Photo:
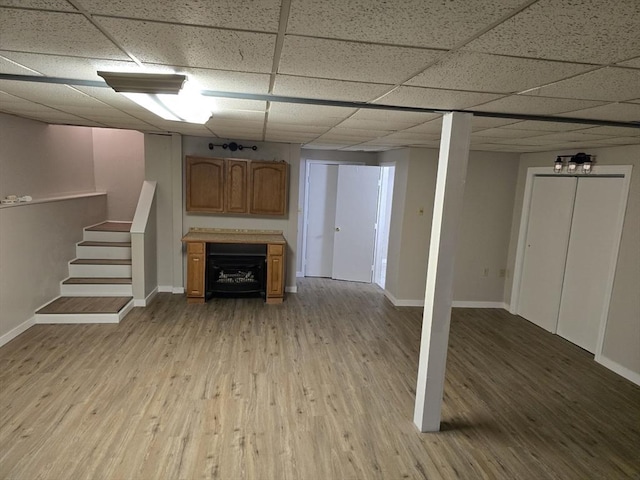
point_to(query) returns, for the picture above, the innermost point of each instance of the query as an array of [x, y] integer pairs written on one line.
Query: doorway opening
[[346, 221]]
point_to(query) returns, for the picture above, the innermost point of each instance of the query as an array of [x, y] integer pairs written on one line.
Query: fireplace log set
[[236, 270]]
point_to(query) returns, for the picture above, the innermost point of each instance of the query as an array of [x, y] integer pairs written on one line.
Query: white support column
[[452, 171]]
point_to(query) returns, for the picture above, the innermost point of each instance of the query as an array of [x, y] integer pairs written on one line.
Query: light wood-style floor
[[320, 387]]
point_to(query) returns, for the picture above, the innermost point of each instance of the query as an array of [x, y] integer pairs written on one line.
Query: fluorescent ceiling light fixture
[[162, 94]]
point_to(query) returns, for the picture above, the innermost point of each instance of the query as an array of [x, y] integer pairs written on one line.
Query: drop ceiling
[[576, 60]]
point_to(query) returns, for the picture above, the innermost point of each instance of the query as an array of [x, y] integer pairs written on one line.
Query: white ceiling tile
[[506, 133], [54, 32], [590, 31], [480, 123], [238, 117], [324, 146], [307, 87], [225, 81], [59, 5], [342, 130], [216, 122], [404, 22], [395, 119], [335, 137], [240, 14], [545, 126], [366, 148], [67, 66], [47, 94], [230, 104], [293, 137], [619, 112], [534, 105], [7, 66], [333, 59], [278, 127], [633, 63], [619, 141], [492, 73], [59, 117], [193, 46], [435, 98], [308, 114], [432, 127], [613, 131], [610, 84]]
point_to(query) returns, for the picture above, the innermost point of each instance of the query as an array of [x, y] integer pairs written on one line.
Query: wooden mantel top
[[223, 235]]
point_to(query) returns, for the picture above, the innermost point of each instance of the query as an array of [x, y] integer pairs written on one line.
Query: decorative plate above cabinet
[[236, 186]]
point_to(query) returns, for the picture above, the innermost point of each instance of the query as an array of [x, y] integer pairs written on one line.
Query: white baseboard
[[403, 302], [619, 369], [472, 304], [170, 289], [292, 289], [14, 332], [299, 274], [146, 301]]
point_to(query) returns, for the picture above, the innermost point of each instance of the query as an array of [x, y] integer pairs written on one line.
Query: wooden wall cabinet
[[205, 184], [195, 272], [236, 186], [268, 188]]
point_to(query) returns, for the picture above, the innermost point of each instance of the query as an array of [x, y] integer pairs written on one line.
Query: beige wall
[[43, 160], [118, 157], [622, 336], [38, 239], [484, 226]]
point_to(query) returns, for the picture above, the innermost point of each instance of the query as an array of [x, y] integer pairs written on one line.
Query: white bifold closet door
[[590, 260], [546, 250]]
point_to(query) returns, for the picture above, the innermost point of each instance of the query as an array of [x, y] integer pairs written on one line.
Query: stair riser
[[96, 236], [103, 252], [96, 290], [91, 271]]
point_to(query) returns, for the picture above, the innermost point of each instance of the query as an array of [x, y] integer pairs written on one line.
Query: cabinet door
[[268, 187], [275, 271], [205, 184], [195, 269], [237, 186]]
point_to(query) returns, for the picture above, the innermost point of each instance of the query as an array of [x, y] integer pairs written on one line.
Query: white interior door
[[591, 256], [546, 250], [322, 185], [355, 222]]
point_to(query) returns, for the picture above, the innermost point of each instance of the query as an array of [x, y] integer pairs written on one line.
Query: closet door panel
[[546, 249], [590, 258]]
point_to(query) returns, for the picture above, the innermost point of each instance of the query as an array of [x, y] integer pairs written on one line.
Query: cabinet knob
[[337, 229]]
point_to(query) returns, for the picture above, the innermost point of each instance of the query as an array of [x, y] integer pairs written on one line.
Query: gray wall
[[622, 336]]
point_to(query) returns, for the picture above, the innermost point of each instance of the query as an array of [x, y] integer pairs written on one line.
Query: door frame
[[623, 171], [305, 218]]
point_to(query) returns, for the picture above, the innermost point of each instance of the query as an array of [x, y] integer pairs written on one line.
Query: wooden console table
[[197, 240]]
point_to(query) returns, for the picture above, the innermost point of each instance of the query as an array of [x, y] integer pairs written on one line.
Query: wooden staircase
[[99, 288]]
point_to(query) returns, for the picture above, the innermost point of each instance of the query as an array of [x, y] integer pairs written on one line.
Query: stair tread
[[84, 305], [93, 243], [97, 281], [110, 227], [101, 261]]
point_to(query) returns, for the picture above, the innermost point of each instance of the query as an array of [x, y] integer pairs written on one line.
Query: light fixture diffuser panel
[[158, 83]]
